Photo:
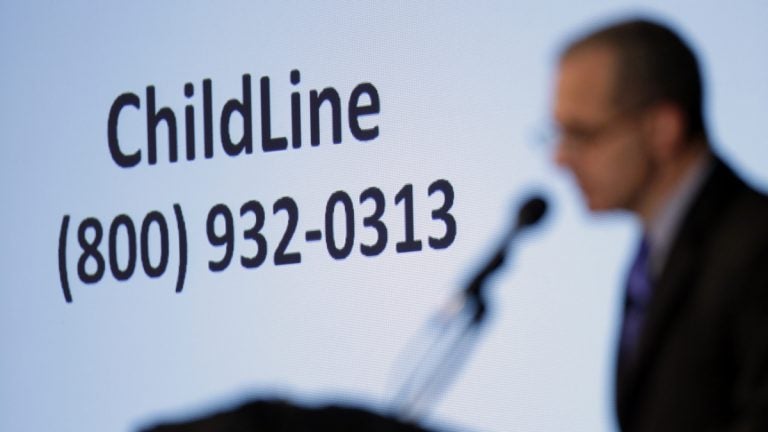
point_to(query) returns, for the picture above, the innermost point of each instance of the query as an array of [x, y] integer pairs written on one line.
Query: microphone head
[[531, 212]]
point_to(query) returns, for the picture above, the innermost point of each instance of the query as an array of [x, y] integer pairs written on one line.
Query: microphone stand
[[454, 329]]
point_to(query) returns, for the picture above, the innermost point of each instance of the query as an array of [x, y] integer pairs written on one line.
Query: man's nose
[[562, 155]]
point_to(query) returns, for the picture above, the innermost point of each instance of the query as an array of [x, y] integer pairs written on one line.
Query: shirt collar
[[663, 227]]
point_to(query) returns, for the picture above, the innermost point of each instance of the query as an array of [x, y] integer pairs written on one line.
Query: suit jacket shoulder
[[702, 359]]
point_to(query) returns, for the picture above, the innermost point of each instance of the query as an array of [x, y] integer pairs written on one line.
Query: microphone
[[529, 214], [454, 329]]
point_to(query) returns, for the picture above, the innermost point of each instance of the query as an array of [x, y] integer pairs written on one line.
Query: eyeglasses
[[583, 136]]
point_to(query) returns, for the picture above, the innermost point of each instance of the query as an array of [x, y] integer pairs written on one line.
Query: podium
[[268, 416]]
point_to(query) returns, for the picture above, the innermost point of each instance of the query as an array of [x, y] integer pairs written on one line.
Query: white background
[[464, 90]]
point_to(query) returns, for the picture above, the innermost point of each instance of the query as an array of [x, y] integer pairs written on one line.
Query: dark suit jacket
[[702, 356]]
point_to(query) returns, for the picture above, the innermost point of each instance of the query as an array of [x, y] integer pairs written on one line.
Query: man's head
[[629, 107]]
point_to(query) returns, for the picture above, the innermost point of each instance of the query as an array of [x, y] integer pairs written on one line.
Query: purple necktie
[[637, 297]]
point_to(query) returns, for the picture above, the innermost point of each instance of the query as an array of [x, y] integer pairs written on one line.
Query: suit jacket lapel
[[669, 294], [674, 283]]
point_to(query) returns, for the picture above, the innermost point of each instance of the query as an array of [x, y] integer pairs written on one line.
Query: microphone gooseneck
[[529, 214], [453, 331]]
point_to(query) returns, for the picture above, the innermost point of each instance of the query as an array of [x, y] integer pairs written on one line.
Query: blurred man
[[693, 351]]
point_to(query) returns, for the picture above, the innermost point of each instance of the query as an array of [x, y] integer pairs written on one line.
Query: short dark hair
[[654, 65]]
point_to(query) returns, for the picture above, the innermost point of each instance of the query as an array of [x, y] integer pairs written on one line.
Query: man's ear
[[666, 130]]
